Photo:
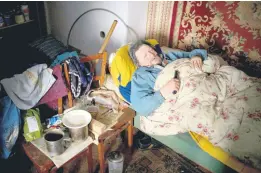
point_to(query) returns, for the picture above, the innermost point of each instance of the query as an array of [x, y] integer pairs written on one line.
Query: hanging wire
[[100, 9]]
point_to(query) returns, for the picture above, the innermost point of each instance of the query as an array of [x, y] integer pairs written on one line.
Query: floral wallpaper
[[231, 29]]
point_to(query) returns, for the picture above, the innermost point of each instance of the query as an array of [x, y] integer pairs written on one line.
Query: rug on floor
[[163, 160]]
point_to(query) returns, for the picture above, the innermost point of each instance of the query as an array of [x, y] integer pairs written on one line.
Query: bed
[[190, 145]]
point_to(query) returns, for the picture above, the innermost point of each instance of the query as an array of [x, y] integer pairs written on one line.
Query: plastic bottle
[[25, 11], [8, 18], [115, 162], [19, 17]]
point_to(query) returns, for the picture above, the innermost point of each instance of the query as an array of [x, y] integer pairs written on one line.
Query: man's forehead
[[144, 48]]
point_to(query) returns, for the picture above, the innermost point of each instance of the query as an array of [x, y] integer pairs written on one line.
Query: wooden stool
[[45, 165]]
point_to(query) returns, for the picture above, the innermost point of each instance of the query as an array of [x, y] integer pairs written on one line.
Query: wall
[[86, 33]]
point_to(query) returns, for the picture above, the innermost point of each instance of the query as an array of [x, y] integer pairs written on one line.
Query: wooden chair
[[99, 78], [103, 58]]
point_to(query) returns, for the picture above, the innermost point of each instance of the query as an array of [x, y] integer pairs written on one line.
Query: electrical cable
[[99, 9]]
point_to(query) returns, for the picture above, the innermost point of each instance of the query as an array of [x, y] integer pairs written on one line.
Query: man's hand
[[167, 89], [196, 62]]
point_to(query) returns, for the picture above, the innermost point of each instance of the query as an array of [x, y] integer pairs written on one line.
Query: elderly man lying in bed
[[221, 103], [143, 98]]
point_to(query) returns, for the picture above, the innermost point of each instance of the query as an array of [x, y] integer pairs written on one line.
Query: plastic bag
[[54, 121], [10, 123], [32, 125]]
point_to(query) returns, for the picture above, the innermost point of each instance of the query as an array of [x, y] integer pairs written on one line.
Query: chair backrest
[[96, 58], [100, 78]]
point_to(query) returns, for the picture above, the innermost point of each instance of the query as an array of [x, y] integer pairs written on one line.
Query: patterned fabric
[[223, 106], [49, 46], [80, 77], [232, 29]]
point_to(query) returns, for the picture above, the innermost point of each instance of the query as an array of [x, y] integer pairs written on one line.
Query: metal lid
[[115, 156]]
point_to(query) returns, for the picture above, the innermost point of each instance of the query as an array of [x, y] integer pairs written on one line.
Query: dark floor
[[18, 162]]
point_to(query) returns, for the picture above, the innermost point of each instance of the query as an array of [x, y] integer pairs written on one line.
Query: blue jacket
[[144, 99]]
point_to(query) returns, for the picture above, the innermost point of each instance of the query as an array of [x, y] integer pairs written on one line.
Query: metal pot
[[79, 134], [77, 121]]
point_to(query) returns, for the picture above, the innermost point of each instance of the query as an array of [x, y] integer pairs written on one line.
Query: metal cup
[[55, 142]]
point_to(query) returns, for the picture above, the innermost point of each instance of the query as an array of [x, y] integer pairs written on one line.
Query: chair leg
[[130, 134], [101, 157], [89, 157]]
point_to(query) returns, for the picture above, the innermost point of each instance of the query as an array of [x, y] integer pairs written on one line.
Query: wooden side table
[[44, 165], [125, 121]]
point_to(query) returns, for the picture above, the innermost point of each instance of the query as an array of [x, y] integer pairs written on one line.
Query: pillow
[[122, 68], [109, 84]]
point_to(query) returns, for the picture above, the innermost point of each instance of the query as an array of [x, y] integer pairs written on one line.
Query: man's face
[[147, 56]]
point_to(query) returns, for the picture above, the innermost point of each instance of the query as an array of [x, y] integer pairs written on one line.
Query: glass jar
[[8, 18], [19, 17]]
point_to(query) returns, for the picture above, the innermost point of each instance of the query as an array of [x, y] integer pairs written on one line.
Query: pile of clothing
[[38, 85]]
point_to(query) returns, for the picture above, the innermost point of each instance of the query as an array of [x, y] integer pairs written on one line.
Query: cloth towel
[[26, 89], [80, 77], [58, 90], [74, 149]]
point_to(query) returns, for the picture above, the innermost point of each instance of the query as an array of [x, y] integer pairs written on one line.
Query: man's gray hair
[[133, 49]]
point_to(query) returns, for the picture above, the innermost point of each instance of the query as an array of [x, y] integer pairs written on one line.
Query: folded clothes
[[61, 58], [80, 77], [57, 90], [28, 88]]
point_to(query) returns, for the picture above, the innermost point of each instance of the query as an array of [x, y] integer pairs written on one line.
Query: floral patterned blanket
[[221, 103]]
